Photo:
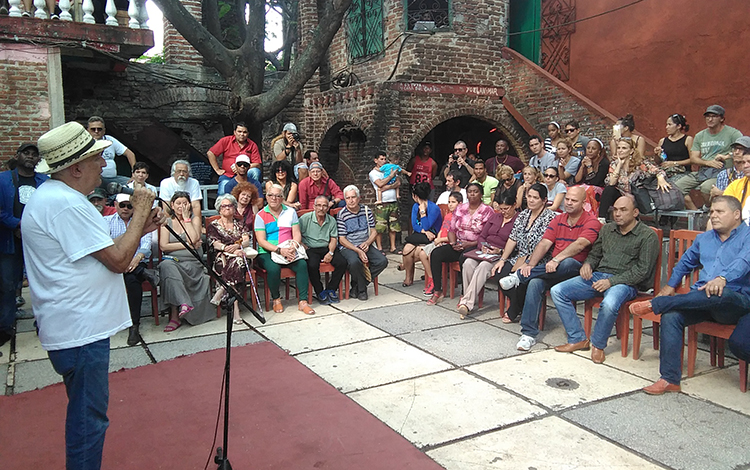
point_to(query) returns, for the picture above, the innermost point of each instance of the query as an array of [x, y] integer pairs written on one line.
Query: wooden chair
[[147, 286], [679, 242], [622, 324], [718, 334], [443, 209], [347, 281], [502, 301]]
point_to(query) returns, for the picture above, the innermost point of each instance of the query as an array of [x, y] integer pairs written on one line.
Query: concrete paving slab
[[290, 313], [371, 363], [166, 350], [154, 334], [387, 297], [128, 358], [558, 380], [415, 290], [721, 386], [547, 444], [28, 347], [467, 406], [674, 429], [467, 343], [415, 316], [313, 333], [5, 350], [3, 376], [25, 325]]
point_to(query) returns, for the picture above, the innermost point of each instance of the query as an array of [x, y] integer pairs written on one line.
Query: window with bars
[[365, 28], [427, 14]]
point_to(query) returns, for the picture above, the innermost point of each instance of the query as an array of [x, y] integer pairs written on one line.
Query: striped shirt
[[355, 227], [562, 234], [117, 227], [278, 230]]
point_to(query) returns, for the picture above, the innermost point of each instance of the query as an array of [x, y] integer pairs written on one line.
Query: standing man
[[570, 235], [230, 147], [452, 183], [721, 294], [542, 159], [356, 226], [573, 133], [16, 187], [459, 162], [503, 158], [109, 174], [488, 183], [711, 151], [622, 261], [75, 274], [181, 180], [320, 237], [422, 167], [386, 214]]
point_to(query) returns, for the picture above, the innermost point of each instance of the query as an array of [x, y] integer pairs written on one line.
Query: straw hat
[[68, 144]]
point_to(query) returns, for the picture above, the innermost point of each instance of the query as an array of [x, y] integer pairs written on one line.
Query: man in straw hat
[[69, 250]]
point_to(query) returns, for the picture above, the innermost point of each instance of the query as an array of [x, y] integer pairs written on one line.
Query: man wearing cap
[[77, 291], [711, 151], [740, 188], [318, 185], [96, 128], [98, 197], [230, 147], [16, 187], [287, 146], [137, 271], [242, 166], [728, 175]]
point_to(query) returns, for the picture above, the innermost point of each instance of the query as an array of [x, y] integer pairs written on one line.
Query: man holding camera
[[459, 162]]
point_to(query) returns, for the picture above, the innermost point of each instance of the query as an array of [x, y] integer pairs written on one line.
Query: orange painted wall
[[659, 57]]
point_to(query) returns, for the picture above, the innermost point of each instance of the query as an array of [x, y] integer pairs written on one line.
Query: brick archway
[[342, 149]]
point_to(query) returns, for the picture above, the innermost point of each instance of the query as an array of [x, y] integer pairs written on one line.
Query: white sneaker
[[525, 343], [509, 282]]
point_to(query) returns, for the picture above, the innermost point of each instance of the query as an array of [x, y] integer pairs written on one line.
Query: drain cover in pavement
[[562, 384]]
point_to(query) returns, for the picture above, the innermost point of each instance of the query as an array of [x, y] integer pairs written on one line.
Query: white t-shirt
[[109, 154], [76, 299], [169, 186], [388, 195], [746, 211], [443, 198]]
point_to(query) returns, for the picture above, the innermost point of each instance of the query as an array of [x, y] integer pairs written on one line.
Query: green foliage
[[150, 59]]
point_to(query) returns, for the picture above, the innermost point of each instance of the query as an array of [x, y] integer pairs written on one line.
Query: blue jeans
[[679, 311], [572, 290], [539, 280], [84, 370], [739, 342], [11, 275], [253, 176]]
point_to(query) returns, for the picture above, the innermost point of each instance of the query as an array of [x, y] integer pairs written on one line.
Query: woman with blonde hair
[[508, 184], [529, 176]]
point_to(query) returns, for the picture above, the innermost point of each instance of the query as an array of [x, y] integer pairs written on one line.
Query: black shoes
[[134, 336]]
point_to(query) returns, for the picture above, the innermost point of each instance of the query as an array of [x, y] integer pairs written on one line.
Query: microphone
[[117, 188]]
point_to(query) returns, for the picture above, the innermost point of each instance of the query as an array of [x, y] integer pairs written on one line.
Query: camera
[[296, 136]]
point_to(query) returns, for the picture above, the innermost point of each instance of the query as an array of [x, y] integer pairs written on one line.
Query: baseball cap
[[97, 193], [289, 127], [122, 198], [27, 145], [242, 158], [316, 165], [714, 109], [743, 141]]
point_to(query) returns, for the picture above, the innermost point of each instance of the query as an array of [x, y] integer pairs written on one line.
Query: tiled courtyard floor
[[461, 392]]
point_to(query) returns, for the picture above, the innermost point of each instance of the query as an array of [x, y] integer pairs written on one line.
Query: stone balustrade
[[84, 12]]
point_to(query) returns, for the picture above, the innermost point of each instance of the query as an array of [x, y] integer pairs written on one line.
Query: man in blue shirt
[[721, 294]]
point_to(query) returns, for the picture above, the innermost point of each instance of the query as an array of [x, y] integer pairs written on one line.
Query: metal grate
[[365, 28], [435, 11], [556, 41]]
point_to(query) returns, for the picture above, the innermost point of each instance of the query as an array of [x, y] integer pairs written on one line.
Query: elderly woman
[[227, 236], [491, 241], [425, 221], [508, 185], [184, 285], [246, 195], [528, 230], [467, 224], [282, 174], [278, 225]]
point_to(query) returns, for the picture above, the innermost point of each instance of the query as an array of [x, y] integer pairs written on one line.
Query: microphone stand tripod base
[[221, 452]]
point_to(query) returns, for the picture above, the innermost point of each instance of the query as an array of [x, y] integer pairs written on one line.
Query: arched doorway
[[343, 144]]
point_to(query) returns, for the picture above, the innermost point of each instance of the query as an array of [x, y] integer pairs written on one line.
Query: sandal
[[305, 308], [216, 299], [184, 310], [407, 284], [172, 325], [400, 267], [463, 310], [435, 299], [278, 307], [238, 321], [505, 318]]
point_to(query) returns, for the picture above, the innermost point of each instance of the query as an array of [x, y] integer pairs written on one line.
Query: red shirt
[[309, 191], [422, 171], [563, 234], [230, 148]]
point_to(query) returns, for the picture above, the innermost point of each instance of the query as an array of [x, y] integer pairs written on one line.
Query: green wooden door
[[525, 15]]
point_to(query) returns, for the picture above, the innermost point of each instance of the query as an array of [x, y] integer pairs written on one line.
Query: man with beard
[[181, 181], [16, 187]]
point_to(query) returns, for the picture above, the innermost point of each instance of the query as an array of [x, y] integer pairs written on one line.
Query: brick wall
[[176, 49], [24, 97]]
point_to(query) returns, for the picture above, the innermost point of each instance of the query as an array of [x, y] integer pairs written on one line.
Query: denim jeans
[[539, 280], [681, 310], [739, 342], [84, 370], [575, 289], [11, 275], [253, 177]]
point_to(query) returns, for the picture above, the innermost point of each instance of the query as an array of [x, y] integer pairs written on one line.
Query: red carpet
[[163, 415]]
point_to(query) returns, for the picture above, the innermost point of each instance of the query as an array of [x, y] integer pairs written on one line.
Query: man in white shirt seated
[[97, 129], [181, 181], [452, 183]]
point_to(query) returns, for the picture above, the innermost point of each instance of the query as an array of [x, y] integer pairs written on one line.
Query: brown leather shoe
[[660, 387], [597, 355], [641, 308], [278, 307], [570, 347], [305, 308]]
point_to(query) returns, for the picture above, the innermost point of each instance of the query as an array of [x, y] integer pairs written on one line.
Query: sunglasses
[[281, 170], [550, 175], [124, 205], [458, 150], [243, 164], [96, 129], [226, 206], [569, 131]]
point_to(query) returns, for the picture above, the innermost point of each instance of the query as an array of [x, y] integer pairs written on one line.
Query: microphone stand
[[221, 458]]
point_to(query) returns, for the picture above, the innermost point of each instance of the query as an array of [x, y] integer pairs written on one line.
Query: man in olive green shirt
[[622, 261], [320, 237]]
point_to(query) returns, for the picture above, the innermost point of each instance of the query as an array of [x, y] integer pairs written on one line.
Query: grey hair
[[278, 186], [323, 196], [351, 187], [223, 197], [181, 162], [731, 201], [461, 142]]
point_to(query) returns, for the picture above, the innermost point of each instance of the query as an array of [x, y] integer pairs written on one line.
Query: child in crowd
[[386, 169]]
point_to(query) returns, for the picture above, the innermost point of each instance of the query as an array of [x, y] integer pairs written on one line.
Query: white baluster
[[40, 13], [111, 10], [144, 14], [88, 10], [65, 10], [133, 14], [15, 9]]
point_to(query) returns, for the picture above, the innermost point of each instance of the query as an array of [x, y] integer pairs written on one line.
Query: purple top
[[495, 233]]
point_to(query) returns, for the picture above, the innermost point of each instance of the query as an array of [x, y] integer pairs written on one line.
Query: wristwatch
[[330, 253], [278, 250]]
